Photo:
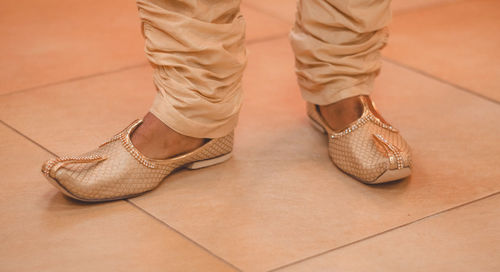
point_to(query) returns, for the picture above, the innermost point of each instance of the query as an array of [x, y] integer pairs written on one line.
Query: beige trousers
[[198, 53]]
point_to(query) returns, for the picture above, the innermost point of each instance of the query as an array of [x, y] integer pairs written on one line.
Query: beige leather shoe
[[368, 149], [117, 170]]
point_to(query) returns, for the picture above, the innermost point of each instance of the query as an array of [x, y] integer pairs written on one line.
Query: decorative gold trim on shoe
[[124, 137], [49, 165], [365, 118], [112, 139], [127, 143], [120, 171], [392, 151], [119, 135], [357, 154]]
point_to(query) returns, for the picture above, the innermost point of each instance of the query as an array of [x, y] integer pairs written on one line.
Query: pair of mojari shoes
[[368, 150]]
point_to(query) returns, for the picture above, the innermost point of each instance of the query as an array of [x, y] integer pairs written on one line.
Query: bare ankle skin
[[156, 140], [341, 114]]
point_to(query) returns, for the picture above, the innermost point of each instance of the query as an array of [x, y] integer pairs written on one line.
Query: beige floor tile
[[463, 239], [41, 230], [77, 116], [44, 41], [280, 199], [261, 26], [54, 40], [458, 43]]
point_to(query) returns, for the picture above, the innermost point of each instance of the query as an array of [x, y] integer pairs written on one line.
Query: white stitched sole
[[210, 162]]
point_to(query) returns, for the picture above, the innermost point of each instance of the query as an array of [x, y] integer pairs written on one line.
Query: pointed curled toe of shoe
[[368, 149], [117, 170]]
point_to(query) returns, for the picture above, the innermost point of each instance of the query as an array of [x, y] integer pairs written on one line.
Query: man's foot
[[117, 170], [156, 140], [341, 114], [360, 142]]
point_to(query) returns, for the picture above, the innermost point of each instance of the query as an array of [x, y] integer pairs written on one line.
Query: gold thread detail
[[133, 151], [391, 150], [114, 138], [50, 164], [369, 117]]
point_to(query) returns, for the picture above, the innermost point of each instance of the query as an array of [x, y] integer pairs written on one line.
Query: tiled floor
[[279, 204]]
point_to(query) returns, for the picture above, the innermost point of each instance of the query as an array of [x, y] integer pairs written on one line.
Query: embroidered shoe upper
[[366, 148], [116, 169]]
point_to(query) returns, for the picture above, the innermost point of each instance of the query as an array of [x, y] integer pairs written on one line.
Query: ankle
[[340, 114], [158, 141]]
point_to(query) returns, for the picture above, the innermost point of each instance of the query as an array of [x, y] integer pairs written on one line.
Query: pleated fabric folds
[[337, 47], [197, 50]]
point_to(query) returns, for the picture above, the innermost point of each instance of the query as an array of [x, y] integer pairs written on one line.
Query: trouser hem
[[175, 120], [329, 94]]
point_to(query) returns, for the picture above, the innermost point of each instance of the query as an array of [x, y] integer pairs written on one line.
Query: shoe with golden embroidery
[[117, 170], [369, 149]]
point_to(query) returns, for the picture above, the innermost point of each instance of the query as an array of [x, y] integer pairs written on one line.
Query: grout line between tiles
[[181, 234], [131, 203], [250, 42], [27, 138], [55, 83], [421, 72], [258, 40], [386, 231], [289, 264]]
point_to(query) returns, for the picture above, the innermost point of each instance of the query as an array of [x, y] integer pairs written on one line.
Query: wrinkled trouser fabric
[[197, 50]]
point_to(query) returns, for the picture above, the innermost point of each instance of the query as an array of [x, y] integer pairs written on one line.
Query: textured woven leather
[[367, 148], [117, 170]]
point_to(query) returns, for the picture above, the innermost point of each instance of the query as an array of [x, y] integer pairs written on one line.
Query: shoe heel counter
[[226, 143]]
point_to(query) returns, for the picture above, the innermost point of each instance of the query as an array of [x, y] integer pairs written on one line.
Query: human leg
[[198, 55], [337, 47]]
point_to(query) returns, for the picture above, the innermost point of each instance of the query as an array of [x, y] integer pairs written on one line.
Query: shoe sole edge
[[392, 175], [206, 163], [190, 166]]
